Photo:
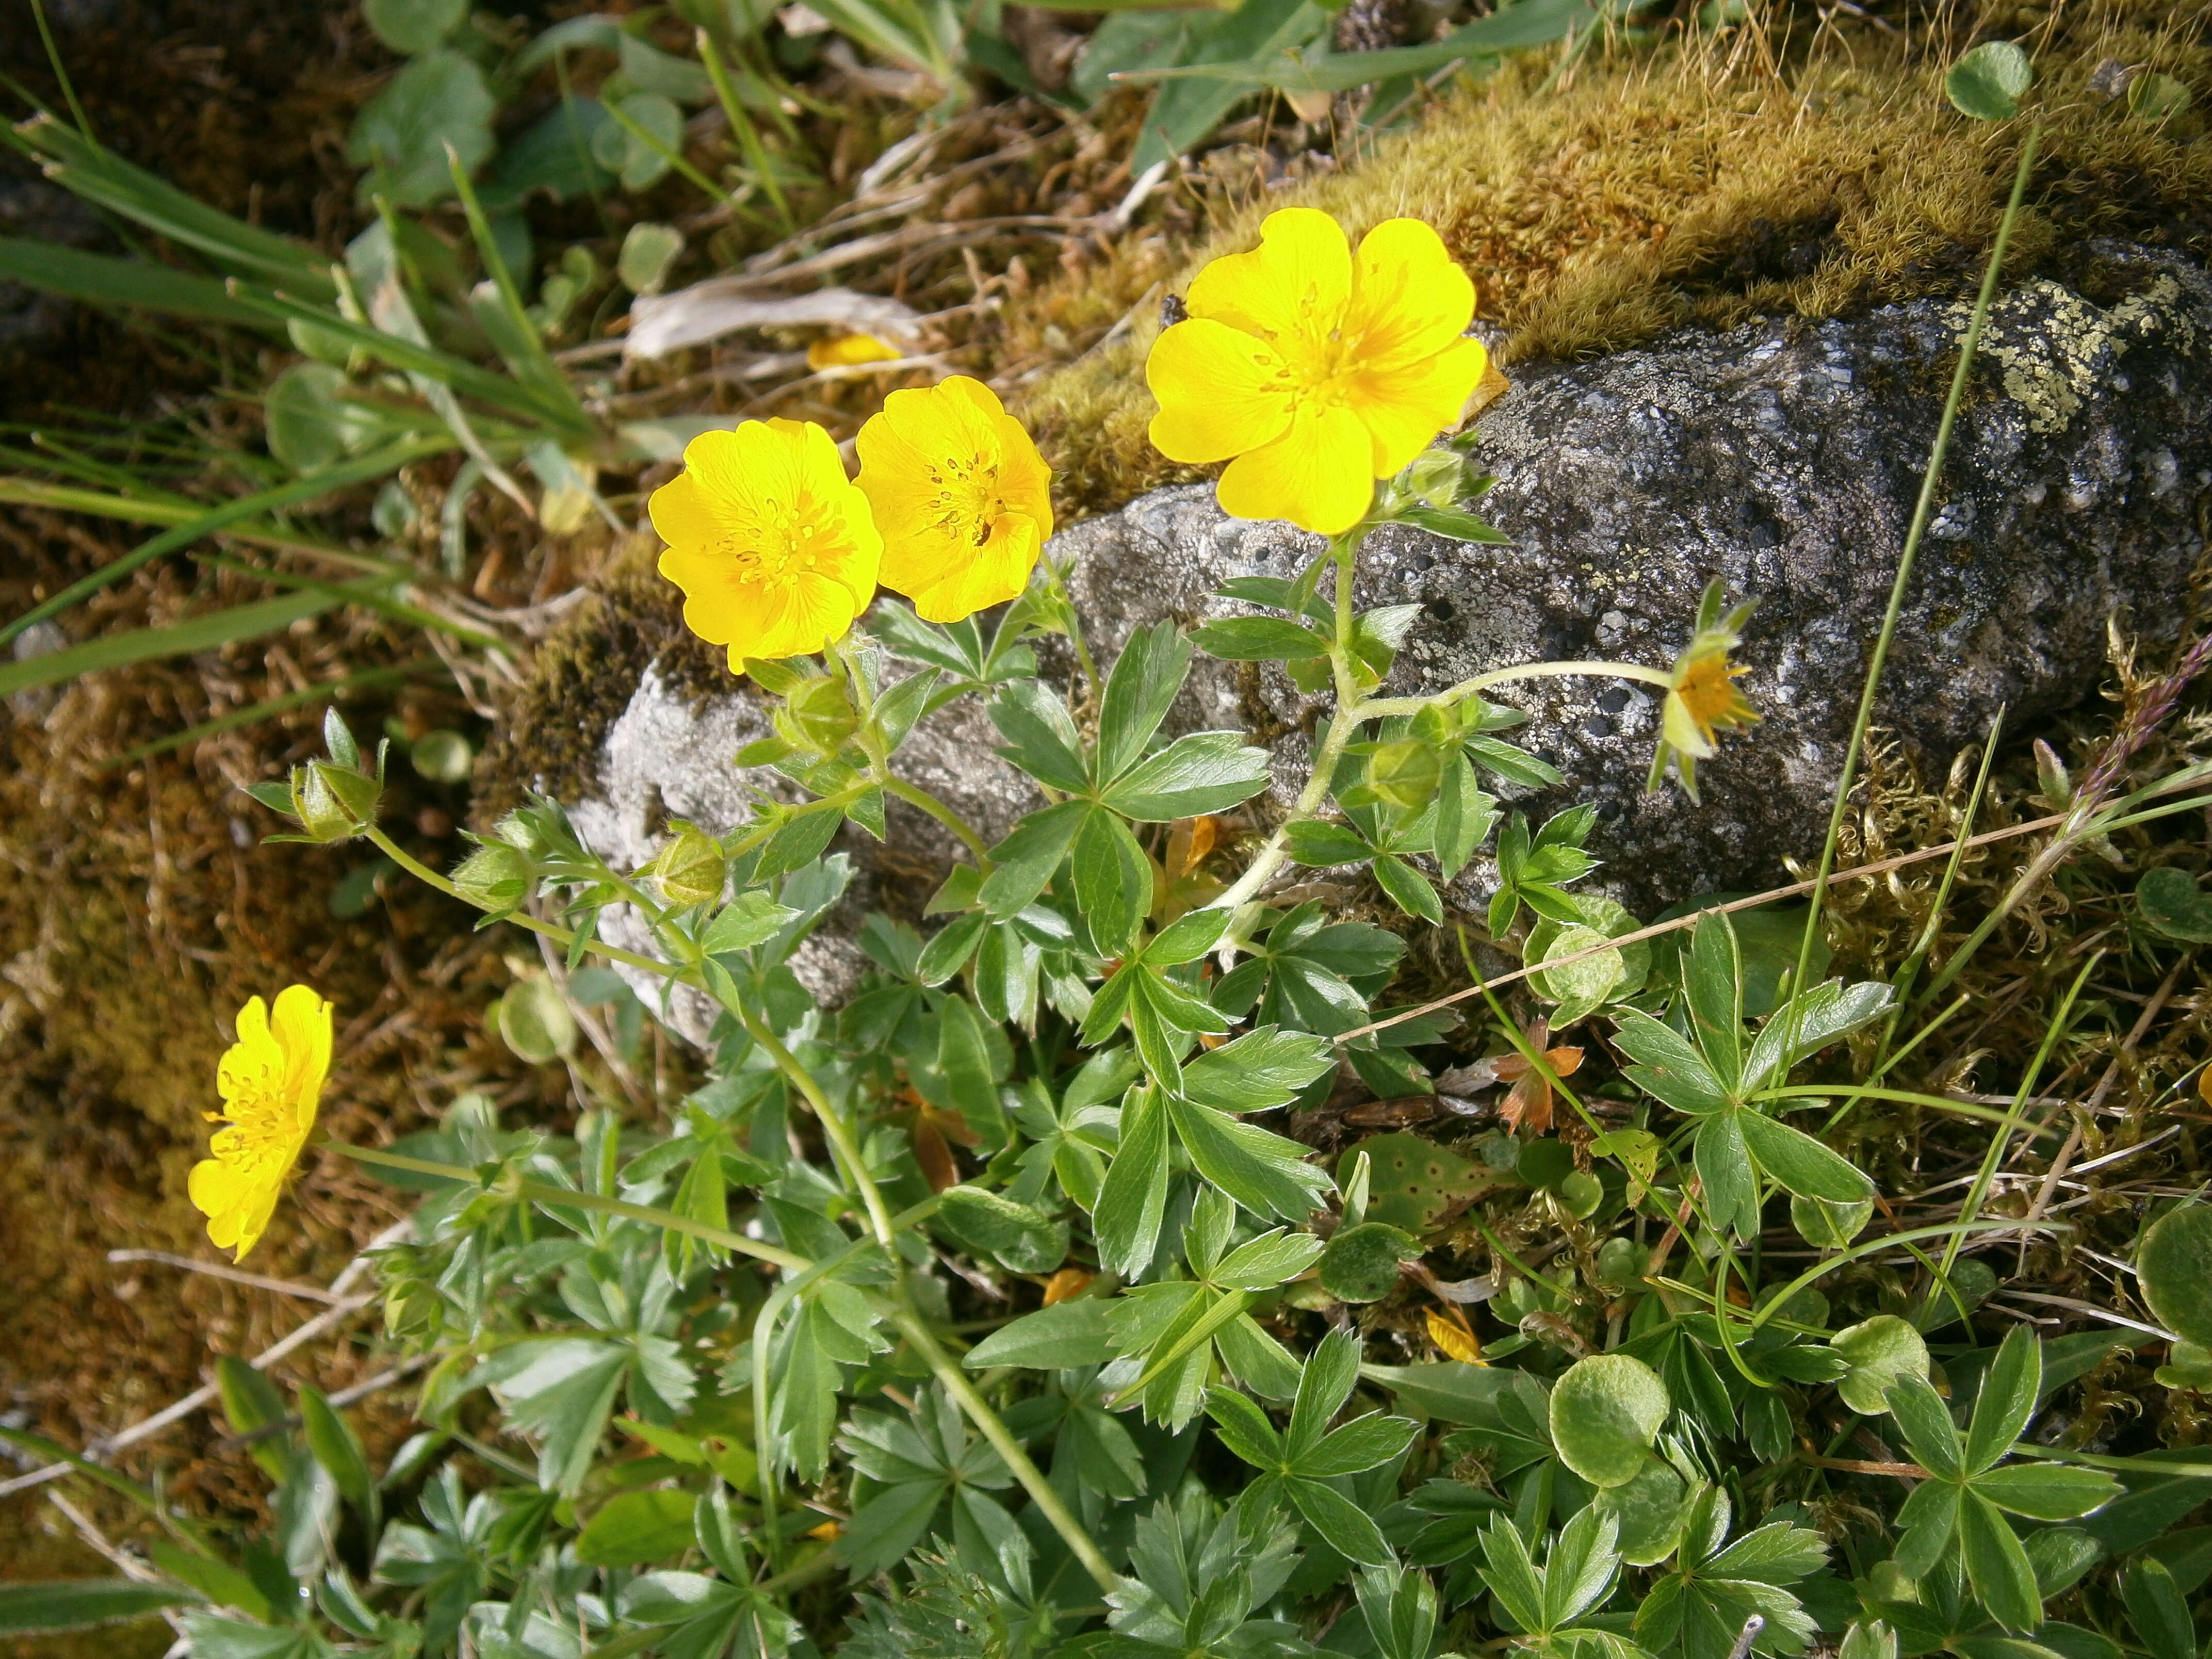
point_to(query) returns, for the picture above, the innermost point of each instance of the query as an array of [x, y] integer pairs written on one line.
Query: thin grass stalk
[[1922, 510]]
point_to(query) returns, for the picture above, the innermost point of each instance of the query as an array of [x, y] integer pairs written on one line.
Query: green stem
[[987, 1423], [544, 1191], [561, 936], [1387, 707], [913, 795], [834, 1126]]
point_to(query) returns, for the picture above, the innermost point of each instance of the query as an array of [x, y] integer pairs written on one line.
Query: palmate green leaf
[[1998, 1568], [1258, 639], [1801, 1165], [1712, 986], [1264, 1173], [1202, 772], [1126, 1225], [1143, 684], [2006, 1402], [1667, 1066], [1323, 846], [1112, 880], [1072, 1333], [2047, 1492], [2158, 1610], [1041, 736], [1723, 1164], [1259, 1071], [1343, 1525], [1024, 862]]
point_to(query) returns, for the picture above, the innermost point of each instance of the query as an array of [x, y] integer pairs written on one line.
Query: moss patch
[[1690, 187]]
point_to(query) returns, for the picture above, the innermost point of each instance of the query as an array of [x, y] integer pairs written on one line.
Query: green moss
[[1701, 185]]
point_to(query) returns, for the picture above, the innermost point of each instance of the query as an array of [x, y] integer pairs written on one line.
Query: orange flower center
[[967, 503], [1707, 689], [769, 539]]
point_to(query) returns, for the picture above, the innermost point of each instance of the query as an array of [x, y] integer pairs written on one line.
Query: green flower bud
[[690, 869], [1405, 773], [817, 716], [316, 802], [1437, 476], [496, 877]]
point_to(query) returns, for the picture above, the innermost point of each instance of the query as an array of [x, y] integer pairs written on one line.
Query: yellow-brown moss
[[1693, 185]]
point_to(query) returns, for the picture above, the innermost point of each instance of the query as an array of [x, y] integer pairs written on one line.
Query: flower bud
[[816, 714], [318, 805], [1405, 773], [496, 877], [690, 869], [1437, 476]]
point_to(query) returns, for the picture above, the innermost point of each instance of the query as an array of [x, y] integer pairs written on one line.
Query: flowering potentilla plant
[[1315, 371], [271, 1081], [775, 550], [961, 498]]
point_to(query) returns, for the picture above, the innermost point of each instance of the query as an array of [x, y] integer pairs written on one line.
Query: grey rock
[[1783, 457]]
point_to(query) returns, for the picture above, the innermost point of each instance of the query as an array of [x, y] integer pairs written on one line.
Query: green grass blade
[[100, 279], [103, 177], [269, 707], [375, 464], [218, 627], [176, 510], [526, 352], [365, 593]]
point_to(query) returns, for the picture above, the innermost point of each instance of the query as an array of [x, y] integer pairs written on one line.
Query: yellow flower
[[1313, 373], [271, 1081], [849, 351], [960, 494], [1702, 700], [774, 548]]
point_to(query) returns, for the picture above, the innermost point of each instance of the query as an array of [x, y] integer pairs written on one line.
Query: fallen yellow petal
[[850, 351]]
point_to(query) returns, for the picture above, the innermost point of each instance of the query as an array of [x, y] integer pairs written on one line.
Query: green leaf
[[643, 136], [1041, 737], [195, 634], [634, 1528], [251, 1401], [1267, 1174], [752, 918], [1987, 83], [58, 1604], [412, 27], [2173, 1264], [1723, 1162], [2007, 1402], [1361, 1263], [1258, 639], [1605, 1413], [335, 1445], [1027, 859], [1259, 1071], [1344, 1526], [101, 280], [1126, 1222], [1020, 1239], [1244, 1428], [1144, 682], [1322, 846], [1112, 879], [1878, 1352], [1801, 1164], [2174, 905], [1925, 1422], [1667, 1066], [2157, 1610], [2047, 1492], [1454, 1392], [401, 136], [1712, 985], [1409, 890], [1072, 1333], [1204, 772], [950, 947], [1451, 524], [2003, 1577]]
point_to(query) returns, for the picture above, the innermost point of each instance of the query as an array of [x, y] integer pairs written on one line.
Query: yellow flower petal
[[1221, 391], [301, 1027], [1404, 409], [960, 494], [271, 1082], [776, 549], [850, 351], [1409, 301], [1294, 286], [1317, 475]]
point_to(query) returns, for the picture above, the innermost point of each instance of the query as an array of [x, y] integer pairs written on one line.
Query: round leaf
[[443, 756], [412, 27], [619, 149], [309, 421], [1650, 1509], [2173, 1264], [535, 1022], [2156, 97], [401, 136], [1988, 82], [648, 250], [1361, 1263], [1878, 1353], [2174, 905], [1605, 1413]]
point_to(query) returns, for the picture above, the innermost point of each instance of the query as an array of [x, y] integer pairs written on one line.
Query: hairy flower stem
[[840, 1132], [559, 935], [911, 1326], [915, 796], [544, 1192], [871, 743], [1384, 708]]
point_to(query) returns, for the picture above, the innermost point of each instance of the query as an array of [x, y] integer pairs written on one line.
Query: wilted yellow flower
[[774, 548], [271, 1081], [1702, 700], [960, 494], [849, 351], [1313, 373]]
